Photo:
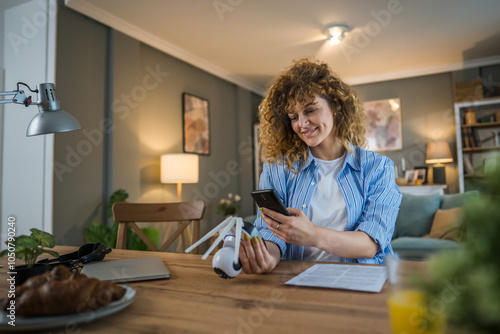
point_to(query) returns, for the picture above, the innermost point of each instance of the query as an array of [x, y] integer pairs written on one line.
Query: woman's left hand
[[296, 229]]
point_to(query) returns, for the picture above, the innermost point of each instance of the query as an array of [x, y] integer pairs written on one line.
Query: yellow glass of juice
[[409, 314], [409, 310]]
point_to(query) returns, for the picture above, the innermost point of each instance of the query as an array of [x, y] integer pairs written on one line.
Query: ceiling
[[249, 41]]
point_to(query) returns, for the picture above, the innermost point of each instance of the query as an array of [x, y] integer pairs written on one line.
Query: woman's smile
[[309, 133]]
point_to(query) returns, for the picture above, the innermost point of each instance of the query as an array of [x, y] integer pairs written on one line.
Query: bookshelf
[[477, 143]]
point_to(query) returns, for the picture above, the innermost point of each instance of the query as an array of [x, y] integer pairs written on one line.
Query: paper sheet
[[341, 276]]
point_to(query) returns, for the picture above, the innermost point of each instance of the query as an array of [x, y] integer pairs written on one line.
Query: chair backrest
[[185, 213]]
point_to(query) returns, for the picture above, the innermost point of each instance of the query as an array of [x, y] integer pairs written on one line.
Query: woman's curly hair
[[307, 78]]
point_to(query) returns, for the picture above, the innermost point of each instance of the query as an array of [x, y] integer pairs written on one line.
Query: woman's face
[[313, 122]]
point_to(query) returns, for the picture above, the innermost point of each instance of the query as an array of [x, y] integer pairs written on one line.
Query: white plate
[[66, 320]]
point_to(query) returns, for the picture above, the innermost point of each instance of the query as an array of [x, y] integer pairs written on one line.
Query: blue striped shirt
[[368, 186]]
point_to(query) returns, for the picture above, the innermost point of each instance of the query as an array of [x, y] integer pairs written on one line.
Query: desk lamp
[[51, 118], [438, 153]]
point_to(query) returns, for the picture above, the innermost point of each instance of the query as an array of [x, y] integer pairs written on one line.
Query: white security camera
[[226, 262]]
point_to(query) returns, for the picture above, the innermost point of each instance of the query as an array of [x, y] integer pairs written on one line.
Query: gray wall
[[427, 115], [150, 125], [78, 156], [146, 87]]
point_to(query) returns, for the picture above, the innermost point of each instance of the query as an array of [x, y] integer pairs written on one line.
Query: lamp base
[[439, 174]]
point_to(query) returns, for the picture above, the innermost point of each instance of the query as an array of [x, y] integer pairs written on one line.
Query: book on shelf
[[476, 137], [469, 138], [468, 168], [465, 138]]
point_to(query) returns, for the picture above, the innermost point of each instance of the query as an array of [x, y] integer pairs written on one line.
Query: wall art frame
[[384, 127], [195, 124]]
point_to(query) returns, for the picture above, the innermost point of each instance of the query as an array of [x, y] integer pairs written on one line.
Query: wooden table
[[195, 300]]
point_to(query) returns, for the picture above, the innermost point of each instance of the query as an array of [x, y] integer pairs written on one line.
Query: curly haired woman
[[343, 199]]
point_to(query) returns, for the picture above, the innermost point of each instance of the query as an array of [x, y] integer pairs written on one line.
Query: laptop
[[127, 270]]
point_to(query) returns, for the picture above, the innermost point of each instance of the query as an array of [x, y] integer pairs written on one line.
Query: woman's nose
[[303, 120]]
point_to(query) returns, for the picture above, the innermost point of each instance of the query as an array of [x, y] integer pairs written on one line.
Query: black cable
[[22, 83]]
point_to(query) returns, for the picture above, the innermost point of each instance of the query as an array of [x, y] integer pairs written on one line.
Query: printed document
[[342, 276]]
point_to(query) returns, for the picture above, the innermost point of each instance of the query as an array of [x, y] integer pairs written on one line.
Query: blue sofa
[[415, 218]]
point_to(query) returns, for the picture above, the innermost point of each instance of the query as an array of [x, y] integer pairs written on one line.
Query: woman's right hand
[[255, 258]]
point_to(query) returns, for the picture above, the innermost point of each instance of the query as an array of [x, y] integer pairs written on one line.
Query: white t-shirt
[[327, 207]]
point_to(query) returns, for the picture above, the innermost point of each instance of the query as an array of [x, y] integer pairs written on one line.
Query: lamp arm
[[19, 96]]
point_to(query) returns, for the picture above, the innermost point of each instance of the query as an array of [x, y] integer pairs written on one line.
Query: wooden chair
[[185, 213]]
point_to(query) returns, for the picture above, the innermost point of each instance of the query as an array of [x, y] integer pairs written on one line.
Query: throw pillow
[[416, 214], [450, 201], [446, 225]]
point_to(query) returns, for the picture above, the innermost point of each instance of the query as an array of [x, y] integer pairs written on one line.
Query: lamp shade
[[179, 168], [51, 118], [438, 153], [52, 122]]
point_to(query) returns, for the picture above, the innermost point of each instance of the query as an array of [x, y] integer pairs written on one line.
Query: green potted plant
[[28, 249], [466, 282]]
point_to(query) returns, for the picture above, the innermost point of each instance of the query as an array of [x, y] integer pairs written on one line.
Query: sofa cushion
[[250, 219], [446, 225], [416, 214], [458, 200], [421, 245]]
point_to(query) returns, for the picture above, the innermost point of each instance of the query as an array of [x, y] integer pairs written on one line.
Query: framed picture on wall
[[383, 129], [196, 124]]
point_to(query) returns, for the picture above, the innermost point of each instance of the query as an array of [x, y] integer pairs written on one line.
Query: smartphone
[[269, 199]]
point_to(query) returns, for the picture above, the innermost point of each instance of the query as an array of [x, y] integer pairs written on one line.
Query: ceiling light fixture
[[336, 33]]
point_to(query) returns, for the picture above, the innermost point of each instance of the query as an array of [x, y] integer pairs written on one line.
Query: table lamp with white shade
[[179, 168], [438, 153]]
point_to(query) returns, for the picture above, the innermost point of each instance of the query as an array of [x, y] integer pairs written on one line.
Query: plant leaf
[[48, 251], [118, 196], [153, 234], [24, 242], [43, 238], [98, 233], [24, 248], [135, 242], [114, 234], [21, 255]]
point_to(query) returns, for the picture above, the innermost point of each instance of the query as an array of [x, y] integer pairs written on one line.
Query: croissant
[[62, 292]]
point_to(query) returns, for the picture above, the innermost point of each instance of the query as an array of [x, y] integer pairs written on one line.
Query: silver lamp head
[[51, 118]]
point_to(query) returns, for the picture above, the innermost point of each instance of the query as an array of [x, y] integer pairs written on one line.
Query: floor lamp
[[180, 168]]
